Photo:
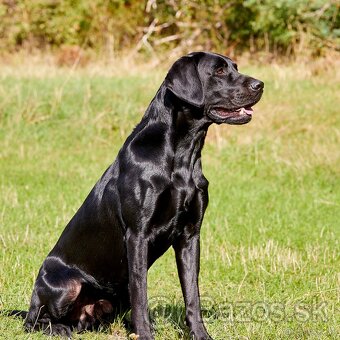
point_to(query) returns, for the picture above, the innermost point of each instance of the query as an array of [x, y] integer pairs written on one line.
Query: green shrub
[[282, 26]]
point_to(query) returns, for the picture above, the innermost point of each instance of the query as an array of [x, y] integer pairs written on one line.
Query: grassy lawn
[[270, 255]]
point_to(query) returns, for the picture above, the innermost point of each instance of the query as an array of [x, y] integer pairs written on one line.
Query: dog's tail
[[17, 313]]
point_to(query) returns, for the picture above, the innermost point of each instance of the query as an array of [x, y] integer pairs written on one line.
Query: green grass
[[270, 239]]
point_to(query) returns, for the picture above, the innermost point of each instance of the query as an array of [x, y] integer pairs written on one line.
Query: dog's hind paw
[[58, 330], [50, 329]]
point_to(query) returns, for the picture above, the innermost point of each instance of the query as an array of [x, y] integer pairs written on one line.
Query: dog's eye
[[220, 71]]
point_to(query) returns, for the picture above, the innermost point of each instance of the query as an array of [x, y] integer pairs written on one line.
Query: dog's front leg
[[137, 252], [187, 250]]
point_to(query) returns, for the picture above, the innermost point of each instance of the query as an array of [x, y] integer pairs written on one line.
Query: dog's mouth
[[234, 115], [237, 116], [225, 113]]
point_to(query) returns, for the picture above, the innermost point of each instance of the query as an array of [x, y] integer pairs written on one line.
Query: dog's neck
[[187, 126]]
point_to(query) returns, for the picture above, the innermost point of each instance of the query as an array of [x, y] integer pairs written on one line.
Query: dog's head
[[212, 82]]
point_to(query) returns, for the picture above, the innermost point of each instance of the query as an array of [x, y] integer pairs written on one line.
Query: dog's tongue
[[248, 110]]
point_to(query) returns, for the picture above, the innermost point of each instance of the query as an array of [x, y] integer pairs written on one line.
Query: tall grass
[[270, 238]]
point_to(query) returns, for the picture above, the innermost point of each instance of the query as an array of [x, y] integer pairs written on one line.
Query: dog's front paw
[[200, 335], [141, 336]]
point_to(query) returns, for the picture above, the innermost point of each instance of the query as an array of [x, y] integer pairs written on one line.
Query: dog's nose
[[256, 85]]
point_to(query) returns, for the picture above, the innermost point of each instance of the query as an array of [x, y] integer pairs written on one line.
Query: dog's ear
[[184, 81]]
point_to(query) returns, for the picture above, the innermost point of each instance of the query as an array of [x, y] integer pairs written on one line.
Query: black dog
[[152, 197]]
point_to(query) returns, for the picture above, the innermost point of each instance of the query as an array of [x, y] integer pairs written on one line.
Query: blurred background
[[87, 29]]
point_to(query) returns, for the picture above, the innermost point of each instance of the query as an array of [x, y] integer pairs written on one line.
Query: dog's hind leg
[[55, 290]]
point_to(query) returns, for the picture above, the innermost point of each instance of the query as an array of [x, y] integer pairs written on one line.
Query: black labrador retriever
[[152, 197]]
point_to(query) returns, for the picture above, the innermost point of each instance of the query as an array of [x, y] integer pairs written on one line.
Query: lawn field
[[270, 258]]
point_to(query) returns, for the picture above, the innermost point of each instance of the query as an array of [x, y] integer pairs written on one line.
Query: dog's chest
[[178, 207], [176, 217]]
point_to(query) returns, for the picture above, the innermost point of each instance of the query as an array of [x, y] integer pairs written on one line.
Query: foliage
[[282, 26]]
